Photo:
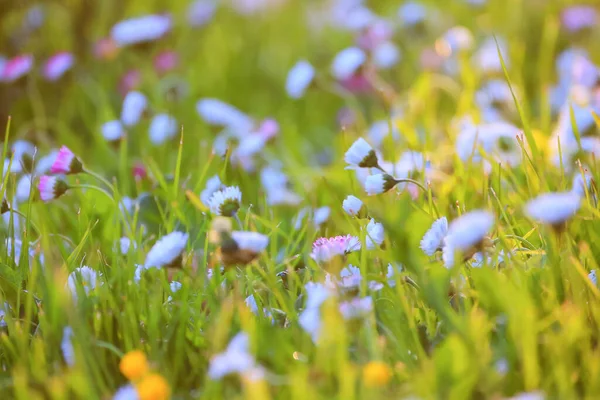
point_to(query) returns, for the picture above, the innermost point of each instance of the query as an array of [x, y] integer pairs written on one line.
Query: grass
[[527, 324]]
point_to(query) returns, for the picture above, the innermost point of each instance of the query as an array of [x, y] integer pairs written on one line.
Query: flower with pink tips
[[51, 187], [325, 249], [66, 162], [16, 68], [58, 65]]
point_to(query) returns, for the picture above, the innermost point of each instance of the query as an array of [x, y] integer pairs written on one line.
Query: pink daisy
[[51, 187], [324, 249], [16, 67], [66, 162]]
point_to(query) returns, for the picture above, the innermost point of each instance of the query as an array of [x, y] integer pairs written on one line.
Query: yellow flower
[[376, 373], [153, 387], [134, 365]]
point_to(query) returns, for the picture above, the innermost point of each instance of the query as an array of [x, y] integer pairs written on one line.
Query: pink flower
[[105, 49], [165, 61], [131, 80], [324, 249], [57, 65], [51, 187], [66, 162], [139, 171], [357, 83], [16, 67]]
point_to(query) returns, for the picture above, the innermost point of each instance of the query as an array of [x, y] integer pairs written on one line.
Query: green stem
[[100, 178], [413, 182], [83, 186]]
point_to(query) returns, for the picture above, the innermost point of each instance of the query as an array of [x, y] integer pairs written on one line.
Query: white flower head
[[253, 242], [134, 105], [347, 62], [44, 164], [225, 201], [379, 183], [356, 308], [216, 112], [112, 130], [235, 359], [212, 185], [167, 250], [321, 215], [299, 79], [23, 188], [353, 206], [433, 240], [386, 55], [325, 249], [361, 155], [162, 128], [375, 234], [470, 229], [83, 277], [553, 208], [125, 244], [141, 29]]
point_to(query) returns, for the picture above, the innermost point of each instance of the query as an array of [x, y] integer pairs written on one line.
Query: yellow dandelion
[[134, 365], [376, 373], [153, 387]]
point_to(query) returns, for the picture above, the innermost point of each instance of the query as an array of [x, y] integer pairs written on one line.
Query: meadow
[[294, 199]]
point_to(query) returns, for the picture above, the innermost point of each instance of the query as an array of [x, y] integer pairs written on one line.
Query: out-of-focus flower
[[347, 62], [553, 208], [325, 249], [134, 365], [212, 185], [377, 33], [84, 277], [162, 128], [593, 278], [412, 13], [125, 244], [581, 183], [58, 65], [153, 387], [130, 81], [236, 359], [354, 207], [379, 130], [44, 163], [167, 251], [375, 234], [51, 187], [487, 60], [358, 307], [578, 17], [226, 201], [386, 55], [127, 392], [66, 346], [112, 130], [310, 317], [141, 29], [106, 49], [252, 242], [299, 79], [433, 240], [200, 12], [166, 61], [465, 234], [134, 105], [66, 162], [321, 215], [457, 39], [16, 68], [376, 374], [216, 112]]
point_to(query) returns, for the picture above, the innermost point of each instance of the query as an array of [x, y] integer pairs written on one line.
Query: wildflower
[[162, 128], [243, 247], [376, 373], [134, 105], [347, 62], [458, 38], [325, 249], [66, 162], [386, 55], [141, 29], [44, 164], [433, 239], [165, 61], [375, 234], [84, 277], [321, 215], [212, 185], [51, 187], [356, 308], [465, 234], [134, 365], [593, 278], [58, 65], [153, 387], [129, 81], [579, 17], [354, 207], [167, 251], [201, 12], [112, 130], [226, 201], [16, 68], [216, 112], [299, 79], [310, 317], [392, 271], [379, 183], [125, 244], [23, 188], [127, 392], [236, 359], [66, 346], [361, 154], [412, 13], [553, 208]]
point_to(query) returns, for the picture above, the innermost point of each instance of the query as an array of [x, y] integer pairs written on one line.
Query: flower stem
[[413, 182], [100, 178], [83, 186]]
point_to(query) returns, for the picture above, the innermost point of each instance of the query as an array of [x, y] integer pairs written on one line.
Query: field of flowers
[[294, 199]]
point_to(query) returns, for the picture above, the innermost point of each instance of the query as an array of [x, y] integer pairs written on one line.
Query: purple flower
[[16, 67], [577, 18], [58, 65], [66, 162], [51, 187], [324, 249]]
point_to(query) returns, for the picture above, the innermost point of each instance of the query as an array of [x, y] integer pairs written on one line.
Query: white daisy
[[356, 308], [375, 234], [112, 130], [236, 359], [360, 154], [325, 249], [553, 208], [433, 240], [379, 183], [212, 185], [84, 277], [166, 250], [470, 229], [250, 241], [321, 215], [352, 205], [162, 128], [299, 78], [216, 112], [226, 201], [134, 105], [347, 62], [141, 29]]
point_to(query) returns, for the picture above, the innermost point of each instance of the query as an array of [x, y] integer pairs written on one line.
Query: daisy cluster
[[279, 199]]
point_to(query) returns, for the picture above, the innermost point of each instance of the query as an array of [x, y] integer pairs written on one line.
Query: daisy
[[466, 233], [299, 79], [354, 207], [84, 277], [375, 234], [360, 154], [579, 17], [386, 55], [379, 183], [66, 346], [225, 202], [433, 239], [236, 359], [310, 318], [134, 105], [212, 185], [350, 279], [16, 68], [66, 163], [325, 249], [58, 65], [553, 208], [51, 187], [162, 128], [321, 215], [347, 62], [112, 130], [216, 112], [141, 29], [356, 308], [23, 188], [167, 251]]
